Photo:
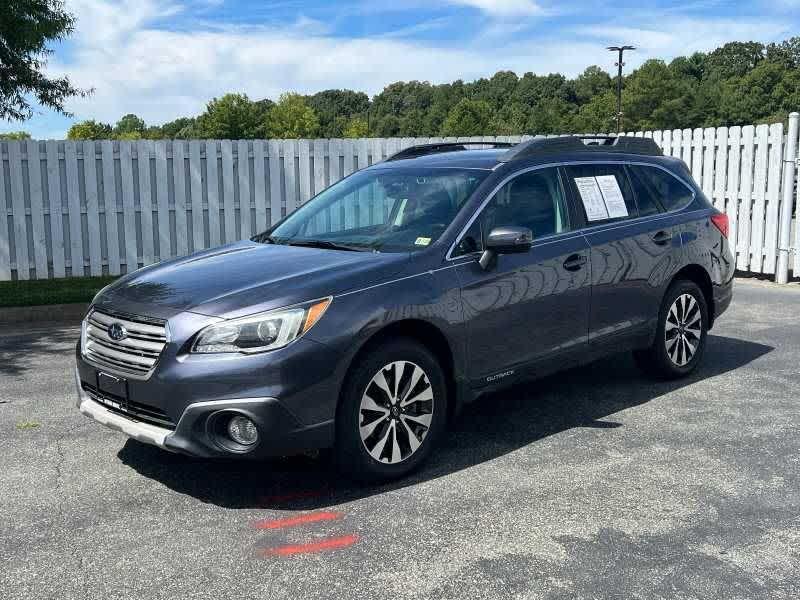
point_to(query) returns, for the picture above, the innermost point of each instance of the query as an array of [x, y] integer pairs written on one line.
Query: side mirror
[[505, 240]]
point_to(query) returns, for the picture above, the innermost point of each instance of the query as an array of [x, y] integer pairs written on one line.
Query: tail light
[[721, 222]]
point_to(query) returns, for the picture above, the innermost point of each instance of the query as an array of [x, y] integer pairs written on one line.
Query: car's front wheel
[[393, 410], [681, 335]]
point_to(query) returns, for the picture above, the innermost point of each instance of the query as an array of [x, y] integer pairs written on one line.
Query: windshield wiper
[[328, 245], [264, 239]]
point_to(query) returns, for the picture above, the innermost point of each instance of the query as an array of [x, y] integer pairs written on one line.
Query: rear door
[[634, 250], [532, 305]]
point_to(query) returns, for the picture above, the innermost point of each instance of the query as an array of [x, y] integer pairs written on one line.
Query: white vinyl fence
[[77, 208]]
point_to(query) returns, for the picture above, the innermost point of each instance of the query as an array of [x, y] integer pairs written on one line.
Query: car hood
[[244, 278]]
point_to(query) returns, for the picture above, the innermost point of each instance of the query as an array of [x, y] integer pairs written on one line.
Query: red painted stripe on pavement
[[298, 520], [328, 544]]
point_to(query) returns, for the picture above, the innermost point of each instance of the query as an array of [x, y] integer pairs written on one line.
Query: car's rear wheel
[[681, 335], [392, 411]]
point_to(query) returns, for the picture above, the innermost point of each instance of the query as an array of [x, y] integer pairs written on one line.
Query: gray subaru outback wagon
[[364, 320]]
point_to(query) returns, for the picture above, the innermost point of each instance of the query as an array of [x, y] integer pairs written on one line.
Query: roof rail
[[425, 149], [582, 143]]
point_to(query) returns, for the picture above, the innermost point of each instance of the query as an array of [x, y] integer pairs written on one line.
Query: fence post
[[785, 231]]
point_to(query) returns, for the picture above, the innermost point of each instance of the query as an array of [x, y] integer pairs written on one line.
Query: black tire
[[670, 357], [351, 453]]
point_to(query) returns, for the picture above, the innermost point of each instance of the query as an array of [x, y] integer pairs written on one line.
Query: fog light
[[242, 430]]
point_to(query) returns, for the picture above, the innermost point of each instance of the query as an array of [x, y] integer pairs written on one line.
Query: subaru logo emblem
[[117, 332]]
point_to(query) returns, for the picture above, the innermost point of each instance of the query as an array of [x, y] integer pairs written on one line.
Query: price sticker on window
[[592, 198], [615, 202], [602, 197]]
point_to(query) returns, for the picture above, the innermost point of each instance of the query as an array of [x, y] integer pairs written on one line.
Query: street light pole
[[619, 64]]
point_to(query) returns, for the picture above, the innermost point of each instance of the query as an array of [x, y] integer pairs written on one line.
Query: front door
[[528, 306]]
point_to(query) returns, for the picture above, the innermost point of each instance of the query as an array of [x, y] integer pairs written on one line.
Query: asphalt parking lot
[[596, 483]]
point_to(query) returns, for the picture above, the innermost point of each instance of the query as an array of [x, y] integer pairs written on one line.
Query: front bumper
[[279, 432], [143, 432]]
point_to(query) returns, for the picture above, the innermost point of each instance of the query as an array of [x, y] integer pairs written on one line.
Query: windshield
[[380, 210]]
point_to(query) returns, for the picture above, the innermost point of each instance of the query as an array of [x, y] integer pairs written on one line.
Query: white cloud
[[137, 64], [504, 8], [162, 74], [101, 21], [682, 36]]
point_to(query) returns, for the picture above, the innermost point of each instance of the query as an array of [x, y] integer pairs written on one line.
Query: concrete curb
[[63, 313]]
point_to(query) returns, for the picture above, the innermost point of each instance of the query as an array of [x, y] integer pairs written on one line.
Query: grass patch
[[51, 291], [26, 425]]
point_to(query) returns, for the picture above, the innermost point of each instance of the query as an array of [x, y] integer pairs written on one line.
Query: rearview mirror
[[505, 240]]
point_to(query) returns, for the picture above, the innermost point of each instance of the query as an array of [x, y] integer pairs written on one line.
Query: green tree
[[691, 68], [596, 116], [393, 110], [356, 128], [15, 135], [752, 97], [786, 52], [27, 28], [336, 109], [89, 130], [590, 83], [292, 118], [648, 91], [734, 59], [128, 135], [388, 126], [497, 90], [534, 88], [232, 117], [550, 115], [468, 118], [129, 127], [511, 119], [171, 129], [786, 94]]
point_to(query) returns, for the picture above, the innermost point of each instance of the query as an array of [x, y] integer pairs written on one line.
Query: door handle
[[662, 238], [574, 262]]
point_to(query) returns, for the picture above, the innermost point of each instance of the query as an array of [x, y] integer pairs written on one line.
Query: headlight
[[261, 332]]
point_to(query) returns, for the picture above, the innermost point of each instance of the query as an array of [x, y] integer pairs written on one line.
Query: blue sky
[[162, 59]]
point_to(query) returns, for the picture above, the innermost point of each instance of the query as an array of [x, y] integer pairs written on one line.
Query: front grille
[[136, 354], [127, 408]]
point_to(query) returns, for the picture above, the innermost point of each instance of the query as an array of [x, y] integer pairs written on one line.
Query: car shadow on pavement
[[487, 429]]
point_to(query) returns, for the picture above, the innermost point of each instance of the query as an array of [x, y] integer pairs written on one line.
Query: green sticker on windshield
[[422, 241]]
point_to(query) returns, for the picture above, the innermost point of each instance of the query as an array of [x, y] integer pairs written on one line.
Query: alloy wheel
[[683, 329], [396, 412]]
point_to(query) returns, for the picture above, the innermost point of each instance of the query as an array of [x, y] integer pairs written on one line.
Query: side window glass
[[534, 200], [647, 198], [603, 192], [472, 241], [669, 192]]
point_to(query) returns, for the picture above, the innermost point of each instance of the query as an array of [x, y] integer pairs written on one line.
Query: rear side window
[[603, 192], [646, 196], [663, 188]]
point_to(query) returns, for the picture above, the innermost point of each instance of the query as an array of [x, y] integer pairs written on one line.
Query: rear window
[[656, 185]]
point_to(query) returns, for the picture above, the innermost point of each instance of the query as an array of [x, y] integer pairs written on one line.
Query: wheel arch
[[424, 333], [699, 275]]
